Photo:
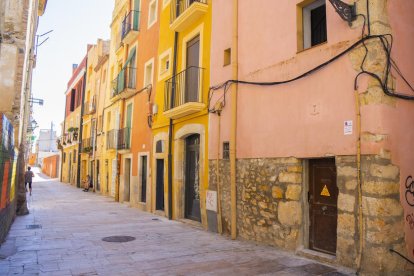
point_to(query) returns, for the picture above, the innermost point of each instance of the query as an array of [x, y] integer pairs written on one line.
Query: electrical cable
[[383, 82], [401, 255]]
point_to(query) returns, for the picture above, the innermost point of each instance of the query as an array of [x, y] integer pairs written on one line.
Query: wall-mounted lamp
[[346, 12], [36, 101]]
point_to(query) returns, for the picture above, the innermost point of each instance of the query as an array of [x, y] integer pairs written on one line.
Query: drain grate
[[155, 219], [118, 239], [33, 226]]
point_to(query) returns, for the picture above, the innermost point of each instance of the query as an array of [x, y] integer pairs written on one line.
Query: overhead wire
[[383, 81]]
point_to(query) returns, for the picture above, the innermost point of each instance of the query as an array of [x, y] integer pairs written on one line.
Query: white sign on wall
[[348, 127], [211, 201]]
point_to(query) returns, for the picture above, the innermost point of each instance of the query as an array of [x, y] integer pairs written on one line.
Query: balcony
[[89, 107], [119, 139], [183, 93], [185, 12], [87, 145], [130, 27], [124, 85]]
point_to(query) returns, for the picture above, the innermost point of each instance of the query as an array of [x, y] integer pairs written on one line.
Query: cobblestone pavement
[[72, 224]]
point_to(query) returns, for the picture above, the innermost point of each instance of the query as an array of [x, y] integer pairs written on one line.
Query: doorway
[[159, 204], [127, 178], [98, 177], [192, 72], [323, 203], [192, 181], [144, 178]]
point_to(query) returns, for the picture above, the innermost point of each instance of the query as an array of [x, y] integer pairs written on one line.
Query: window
[[152, 13], [74, 156], [148, 73], [165, 3], [311, 24], [226, 150], [164, 64], [72, 99], [159, 146], [64, 157], [100, 123], [227, 57]]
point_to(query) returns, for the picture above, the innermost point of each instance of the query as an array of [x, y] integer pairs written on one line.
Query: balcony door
[[127, 134], [192, 72]]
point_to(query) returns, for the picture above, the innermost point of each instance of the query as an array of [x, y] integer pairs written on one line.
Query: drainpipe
[[359, 184], [233, 131], [219, 213], [81, 128], [170, 131]]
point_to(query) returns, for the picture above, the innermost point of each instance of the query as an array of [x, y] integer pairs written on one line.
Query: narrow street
[[71, 225]]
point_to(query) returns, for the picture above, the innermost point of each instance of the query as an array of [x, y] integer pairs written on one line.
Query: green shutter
[[136, 15], [130, 57]]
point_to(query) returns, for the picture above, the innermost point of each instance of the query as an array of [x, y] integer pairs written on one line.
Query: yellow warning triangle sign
[[325, 191]]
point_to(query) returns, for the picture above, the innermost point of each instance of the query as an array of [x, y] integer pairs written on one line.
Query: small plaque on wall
[[211, 201]]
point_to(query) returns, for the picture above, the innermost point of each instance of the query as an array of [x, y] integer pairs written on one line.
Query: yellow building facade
[[180, 128], [91, 121], [114, 107]]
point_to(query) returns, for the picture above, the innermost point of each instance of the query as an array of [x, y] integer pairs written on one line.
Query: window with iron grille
[[226, 150]]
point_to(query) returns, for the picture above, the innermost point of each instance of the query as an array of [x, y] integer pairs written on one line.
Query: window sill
[[313, 47]]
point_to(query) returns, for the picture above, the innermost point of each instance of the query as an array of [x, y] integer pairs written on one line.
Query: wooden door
[[127, 179], [323, 202], [159, 204], [98, 175], [192, 73], [192, 181]]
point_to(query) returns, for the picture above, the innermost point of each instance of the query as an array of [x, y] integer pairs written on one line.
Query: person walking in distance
[[28, 175]]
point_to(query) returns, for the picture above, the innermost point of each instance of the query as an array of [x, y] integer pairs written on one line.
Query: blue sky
[[75, 24]]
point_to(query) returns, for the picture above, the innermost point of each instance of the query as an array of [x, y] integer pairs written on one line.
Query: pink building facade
[[322, 168]]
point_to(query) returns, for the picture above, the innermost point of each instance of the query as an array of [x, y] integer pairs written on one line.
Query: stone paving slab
[[73, 223]]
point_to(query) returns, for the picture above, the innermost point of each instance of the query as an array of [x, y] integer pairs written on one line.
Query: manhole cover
[[118, 239], [33, 226]]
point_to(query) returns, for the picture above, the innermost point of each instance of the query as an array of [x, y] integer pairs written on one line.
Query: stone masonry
[[271, 207]]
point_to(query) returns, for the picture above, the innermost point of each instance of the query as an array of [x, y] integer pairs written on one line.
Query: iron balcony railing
[[130, 23], [126, 79], [185, 87], [124, 138], [89, 107], [87, 145], [178, 7], [118, 139]]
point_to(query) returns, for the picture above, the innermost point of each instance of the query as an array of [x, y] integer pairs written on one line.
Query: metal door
[[160, 185], [192, 73], [192, 181], [323, 202]]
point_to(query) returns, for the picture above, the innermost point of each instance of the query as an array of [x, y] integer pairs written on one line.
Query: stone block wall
[[271, 207]]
